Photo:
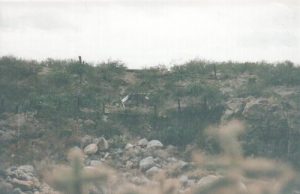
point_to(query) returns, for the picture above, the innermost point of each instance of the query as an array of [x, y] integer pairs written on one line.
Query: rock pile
[[22, 180], [138, 163]]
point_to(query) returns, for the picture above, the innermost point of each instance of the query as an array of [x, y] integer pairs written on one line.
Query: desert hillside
[[68, 126]]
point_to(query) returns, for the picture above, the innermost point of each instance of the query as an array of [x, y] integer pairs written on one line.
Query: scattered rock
[[154, 144], [91, 149]]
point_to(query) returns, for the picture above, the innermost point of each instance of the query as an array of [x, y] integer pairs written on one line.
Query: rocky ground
[[137, 163]]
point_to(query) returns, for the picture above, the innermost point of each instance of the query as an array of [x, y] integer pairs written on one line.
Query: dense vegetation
[[67, 97]]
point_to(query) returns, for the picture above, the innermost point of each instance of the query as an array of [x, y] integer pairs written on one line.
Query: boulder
[[91, 149], [95, 163], [154, 144], [143, 142], [183, 179], [153, 171], [205, 181], [128, 146], [146, 163]]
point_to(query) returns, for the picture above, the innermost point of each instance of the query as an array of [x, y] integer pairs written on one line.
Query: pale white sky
[[145, 33]]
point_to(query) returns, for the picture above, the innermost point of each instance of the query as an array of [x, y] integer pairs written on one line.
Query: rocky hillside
[[146, 125]]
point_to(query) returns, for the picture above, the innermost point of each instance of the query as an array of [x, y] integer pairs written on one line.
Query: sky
[[144, 33]]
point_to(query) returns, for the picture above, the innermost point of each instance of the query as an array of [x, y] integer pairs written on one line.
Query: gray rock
[[128, 146], [143, 142], [95, 163], [182, 164], [91, 149], [146, 163], [183, 179], [152, 171], [154, 144], [172, 160], [205, 181], [25, 172]]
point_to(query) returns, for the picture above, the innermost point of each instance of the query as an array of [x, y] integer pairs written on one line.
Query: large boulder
[[154, 144], [91, 149], [146, 163]]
